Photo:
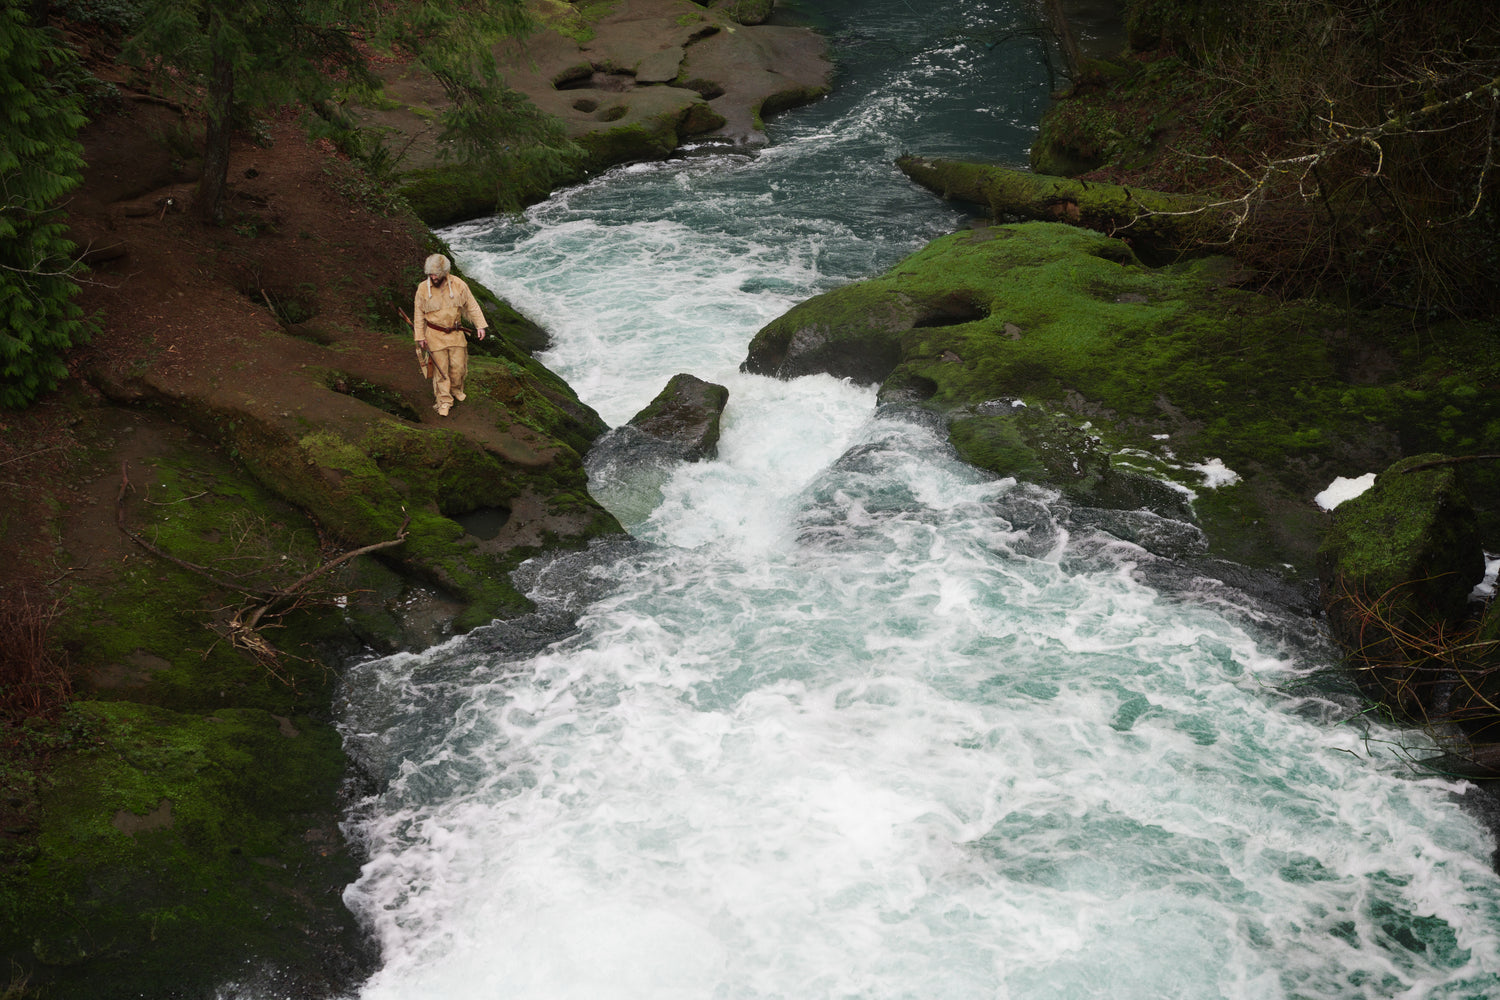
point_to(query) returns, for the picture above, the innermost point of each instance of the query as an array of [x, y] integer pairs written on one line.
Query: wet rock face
[[626, 81], [1396, 570], [1059, 357], [684, 418]]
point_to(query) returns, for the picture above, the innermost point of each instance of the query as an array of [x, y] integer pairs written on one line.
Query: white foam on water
[[631, 307], [890, 754], [854, 720]]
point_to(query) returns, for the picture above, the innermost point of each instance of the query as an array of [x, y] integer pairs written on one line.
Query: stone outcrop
[[1397, 567], [1058, 357], [251, 414], [684, 418], [628, 81], [630, 465]]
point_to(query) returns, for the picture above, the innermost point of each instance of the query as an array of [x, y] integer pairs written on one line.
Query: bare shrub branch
[[34, 678]]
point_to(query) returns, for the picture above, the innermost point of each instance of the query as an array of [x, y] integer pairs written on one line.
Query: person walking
[[443, 301]]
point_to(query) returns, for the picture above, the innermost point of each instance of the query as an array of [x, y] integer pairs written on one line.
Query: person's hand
[[480, 333], [422, 344]]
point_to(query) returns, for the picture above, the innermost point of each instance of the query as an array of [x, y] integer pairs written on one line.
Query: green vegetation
[[238, 59], [1397, 569], [182, 815], [744, 11], [1354, 139], [510, 181], [175, 846], [574, 20], [40, 162], [1166, 368], [1343, 151]]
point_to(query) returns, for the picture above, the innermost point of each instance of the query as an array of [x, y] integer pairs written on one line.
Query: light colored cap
[[436, 264]]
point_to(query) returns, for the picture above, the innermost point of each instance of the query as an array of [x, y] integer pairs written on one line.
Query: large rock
[[630, 466], [253, 415], [684, 417], [643, 57], [1397, 568], [1058, 357], [627, 81]]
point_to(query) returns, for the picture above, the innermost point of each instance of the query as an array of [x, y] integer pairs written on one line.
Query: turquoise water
[[845, 718]]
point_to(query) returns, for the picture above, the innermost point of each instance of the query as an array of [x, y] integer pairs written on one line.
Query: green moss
[[450, 193], [174, 845], [147, 633], [573, 20], [1169, 362], [746, 11], [1392, 535], [1152, 225], [649, 139]]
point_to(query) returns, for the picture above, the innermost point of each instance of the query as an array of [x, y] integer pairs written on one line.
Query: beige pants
[[452, 367]]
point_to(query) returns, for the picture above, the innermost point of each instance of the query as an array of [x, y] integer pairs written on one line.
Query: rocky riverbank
[[181, 510], [185, 507]]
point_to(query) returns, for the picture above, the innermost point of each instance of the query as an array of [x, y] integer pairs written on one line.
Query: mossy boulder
[[1397, 568], [684, 417], [1057, 356], [1413, 537], [444, 192], [176, 847]]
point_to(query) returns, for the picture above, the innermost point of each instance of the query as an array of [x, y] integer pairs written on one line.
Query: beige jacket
[[444, 307]]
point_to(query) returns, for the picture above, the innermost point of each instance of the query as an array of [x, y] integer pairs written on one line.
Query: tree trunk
[[1065, 37], [209, 202]]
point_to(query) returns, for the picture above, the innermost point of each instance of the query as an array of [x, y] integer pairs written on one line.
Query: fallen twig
[[29, 454], [243, 627]]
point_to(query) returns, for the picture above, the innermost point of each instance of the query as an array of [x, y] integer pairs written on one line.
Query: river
[[844, 717]]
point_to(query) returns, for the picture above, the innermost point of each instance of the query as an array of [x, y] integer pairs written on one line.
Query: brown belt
[[440, 329]]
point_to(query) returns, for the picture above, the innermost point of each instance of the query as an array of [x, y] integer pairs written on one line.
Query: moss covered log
[[1156, 224]]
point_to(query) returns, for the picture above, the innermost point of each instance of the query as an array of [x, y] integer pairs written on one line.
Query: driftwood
[[242, 630]]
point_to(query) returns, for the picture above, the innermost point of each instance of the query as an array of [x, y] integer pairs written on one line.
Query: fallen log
[[1153, 222]]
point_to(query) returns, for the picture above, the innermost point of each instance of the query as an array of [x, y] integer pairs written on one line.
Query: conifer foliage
[[234, 59], [40, 162]]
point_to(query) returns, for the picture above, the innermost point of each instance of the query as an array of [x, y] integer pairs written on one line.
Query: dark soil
[[307, 263]]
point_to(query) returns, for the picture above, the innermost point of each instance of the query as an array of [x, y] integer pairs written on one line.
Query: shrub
[[40, 161], [33, 680]]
